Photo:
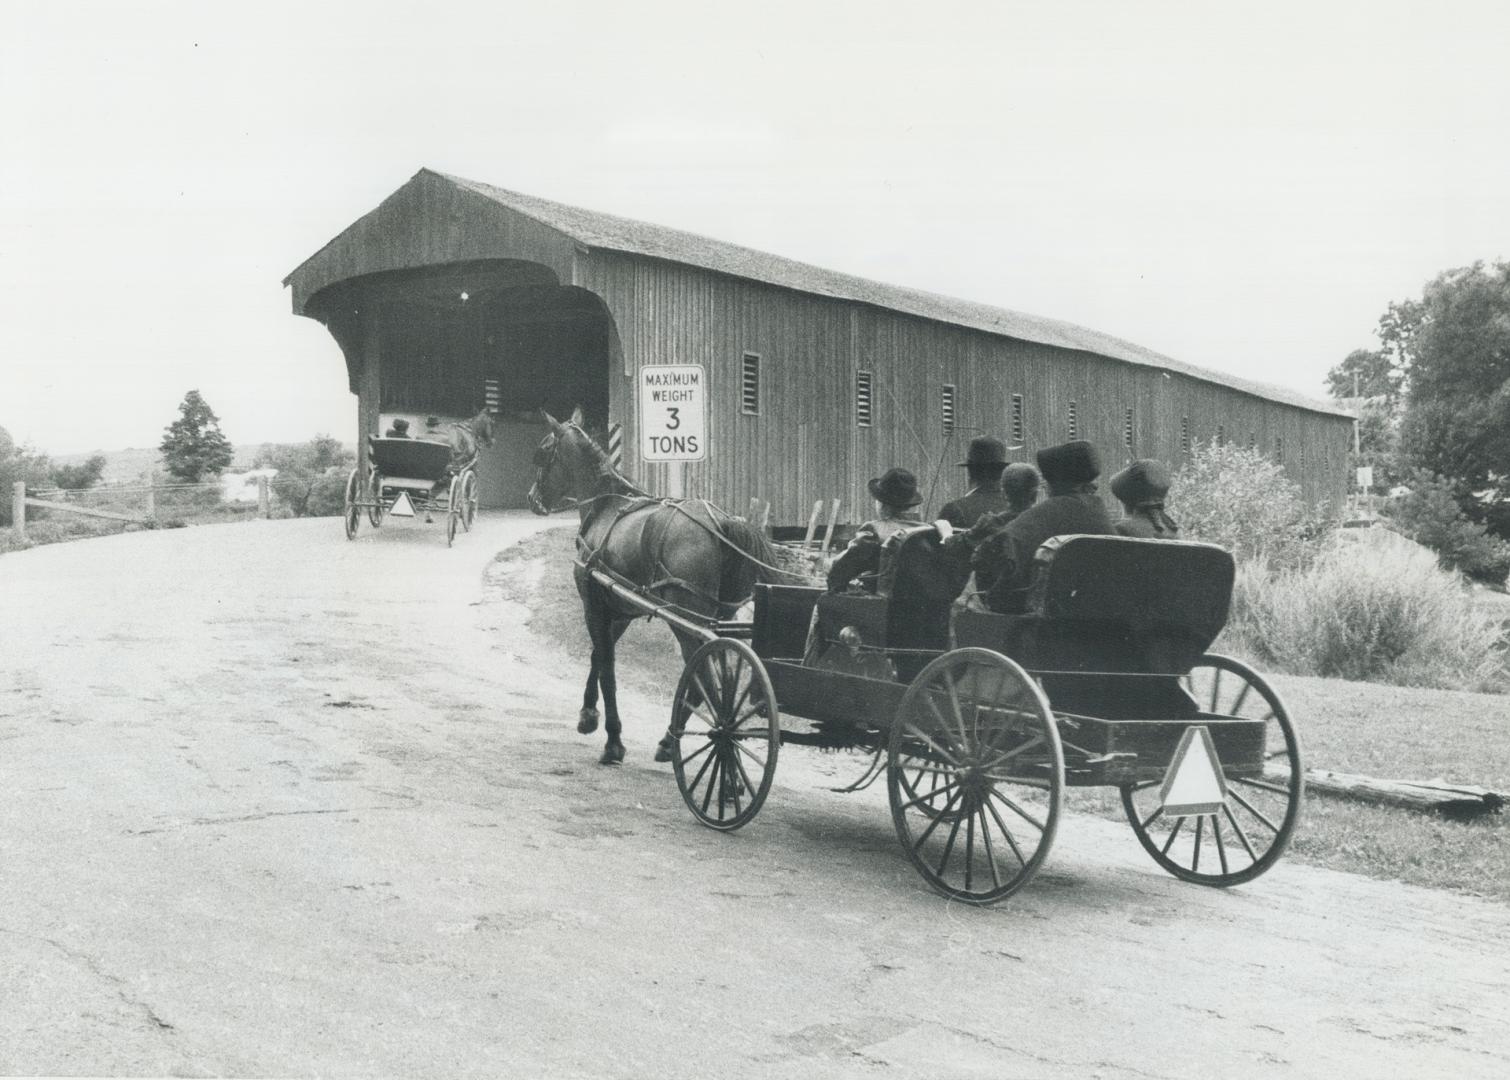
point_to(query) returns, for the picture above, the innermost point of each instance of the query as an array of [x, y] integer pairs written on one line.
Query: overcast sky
[[1243, 187]]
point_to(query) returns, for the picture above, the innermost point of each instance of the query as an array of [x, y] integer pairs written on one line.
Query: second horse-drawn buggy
[[408, 477]]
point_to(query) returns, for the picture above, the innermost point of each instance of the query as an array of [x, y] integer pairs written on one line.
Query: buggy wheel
[[375, 493], [468, 499], [726, 732], [1253, 826], [350, 510], [976, 721], [453, 509]]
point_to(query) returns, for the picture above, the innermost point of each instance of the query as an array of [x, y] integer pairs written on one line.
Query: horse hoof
[[663, 749], [612, 755], [587, 721]]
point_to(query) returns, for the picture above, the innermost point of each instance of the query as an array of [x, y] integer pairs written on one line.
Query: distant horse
[[467, 435], [684, 553]]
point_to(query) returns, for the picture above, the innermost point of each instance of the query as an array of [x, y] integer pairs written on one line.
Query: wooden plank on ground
[[1427, 796]]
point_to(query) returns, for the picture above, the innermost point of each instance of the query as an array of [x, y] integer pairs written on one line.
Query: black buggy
[[410, 477], [980, 721]]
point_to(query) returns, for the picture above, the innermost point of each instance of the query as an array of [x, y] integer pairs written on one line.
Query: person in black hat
[[1141, 488], [983, 463], [897, 498], [1070, 470], [399, 429]]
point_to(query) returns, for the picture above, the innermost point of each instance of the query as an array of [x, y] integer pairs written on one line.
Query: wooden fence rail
[[20, 500]]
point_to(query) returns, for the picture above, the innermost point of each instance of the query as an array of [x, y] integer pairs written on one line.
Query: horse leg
[[613, 749], [596, 617], [689, 645]]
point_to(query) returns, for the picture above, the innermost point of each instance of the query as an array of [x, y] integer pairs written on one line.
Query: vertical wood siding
[[805, 444]]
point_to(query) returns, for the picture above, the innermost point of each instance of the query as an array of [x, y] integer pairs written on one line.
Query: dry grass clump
[[1375, 613]]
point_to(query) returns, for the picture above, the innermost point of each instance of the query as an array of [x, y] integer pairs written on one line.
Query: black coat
[[1058, 515], [966, 511]]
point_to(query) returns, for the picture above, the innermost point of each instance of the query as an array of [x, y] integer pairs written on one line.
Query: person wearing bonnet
[[398, 430], [1070, 471], [897, 499], [1141, 488]]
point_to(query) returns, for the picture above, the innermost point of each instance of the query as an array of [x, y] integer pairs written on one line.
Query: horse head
[[558, 472]]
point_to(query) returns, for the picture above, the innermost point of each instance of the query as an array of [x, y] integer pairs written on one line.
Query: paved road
[[279, 804]]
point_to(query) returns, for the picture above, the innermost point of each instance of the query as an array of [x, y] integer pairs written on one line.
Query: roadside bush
[[1429, 513], [311, 477], [327, 495], [1238, 498], [1387, 613]]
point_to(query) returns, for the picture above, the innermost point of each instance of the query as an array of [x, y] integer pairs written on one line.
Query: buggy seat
[[1114, 604], [410, 463]]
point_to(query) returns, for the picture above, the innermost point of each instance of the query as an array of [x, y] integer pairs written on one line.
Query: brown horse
[[686, 554], [465, 437]]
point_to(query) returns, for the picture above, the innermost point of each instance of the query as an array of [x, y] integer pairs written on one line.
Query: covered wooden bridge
[[454, 294]]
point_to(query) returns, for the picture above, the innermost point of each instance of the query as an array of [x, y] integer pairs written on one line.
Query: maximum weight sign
[[673, 412]]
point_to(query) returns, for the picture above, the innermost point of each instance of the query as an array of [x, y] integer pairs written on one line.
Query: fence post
[[151, 503], [264, 504], [18, 509]]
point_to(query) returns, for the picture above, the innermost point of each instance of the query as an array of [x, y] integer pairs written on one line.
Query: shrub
[[327, 495], [1238, 498], [1430, 514], [1389, 614]]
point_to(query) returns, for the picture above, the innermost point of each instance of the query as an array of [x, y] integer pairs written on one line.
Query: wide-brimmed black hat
[[986, 451], [1069, 463], [401, 424], [1142, 482], [897, 487]]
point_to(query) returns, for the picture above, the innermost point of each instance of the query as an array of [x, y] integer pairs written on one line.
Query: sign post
[[673, 404]]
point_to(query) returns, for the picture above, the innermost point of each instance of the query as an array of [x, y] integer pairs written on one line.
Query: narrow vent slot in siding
[[492, 395], [864, 383], [947, 405], [1185, 434], [1127, 428], [749, 384], [1017, 420], [1074, 422]]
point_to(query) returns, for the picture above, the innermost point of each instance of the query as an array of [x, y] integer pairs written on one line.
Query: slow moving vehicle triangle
[[1194, 784], [402, 507]]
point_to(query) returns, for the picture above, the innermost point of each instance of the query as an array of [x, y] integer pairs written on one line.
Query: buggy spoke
[[688, 759], [1221, 849], [985, 835], [1200, 821], [1035, 741], [921, 734], [740, 766], [1151, 818], [948, 846], [752, 755], [1246, 805], [1216, 686], [718, 771], [944, 731], [933, 794], [954, 708], [1169, 840], [969, 848], [1265, 785], [1242, 696], [1006, 832], [1242, 836], [711, 758], [1019, 811], [936, 822]]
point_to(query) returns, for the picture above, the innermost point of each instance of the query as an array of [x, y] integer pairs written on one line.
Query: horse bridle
[[570, 502]]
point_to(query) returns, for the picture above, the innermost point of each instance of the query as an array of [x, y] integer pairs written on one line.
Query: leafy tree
[[193, 446], [1456, 342], [18, 463], [77, 477], [311, 476], [1367, 373]]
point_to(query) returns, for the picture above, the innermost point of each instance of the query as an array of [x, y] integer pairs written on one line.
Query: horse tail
[[738, 574]]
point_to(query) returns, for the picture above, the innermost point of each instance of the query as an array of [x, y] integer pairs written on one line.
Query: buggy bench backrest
[[1114, 604], [417, 458]]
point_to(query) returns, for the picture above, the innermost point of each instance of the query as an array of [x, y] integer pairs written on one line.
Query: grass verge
[[1383, 731]]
